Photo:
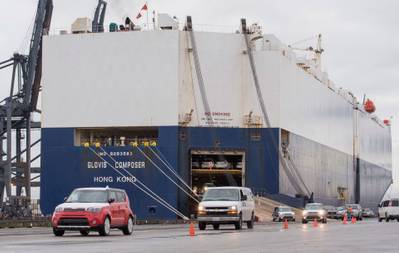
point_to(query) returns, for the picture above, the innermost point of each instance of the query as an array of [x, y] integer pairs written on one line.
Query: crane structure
[[16, 116], [318, 50], [99, 16]]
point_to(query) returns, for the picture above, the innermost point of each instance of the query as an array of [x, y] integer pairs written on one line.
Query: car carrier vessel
[[175, 108]]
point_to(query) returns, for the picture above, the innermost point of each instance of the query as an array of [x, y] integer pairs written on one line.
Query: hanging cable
[[157, 198], [167, 164], [288, 169], [149, 159], [160, 170], [141, 183]]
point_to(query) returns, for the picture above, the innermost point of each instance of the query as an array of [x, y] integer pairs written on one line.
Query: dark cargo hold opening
[[216, 168]]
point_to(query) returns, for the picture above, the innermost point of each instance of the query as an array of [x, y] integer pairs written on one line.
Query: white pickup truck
[[226, 205]]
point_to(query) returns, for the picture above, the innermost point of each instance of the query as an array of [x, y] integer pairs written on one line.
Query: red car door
[[123, 206], [114, 209]]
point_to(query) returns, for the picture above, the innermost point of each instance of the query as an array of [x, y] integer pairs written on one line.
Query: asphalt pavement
[[364, 236]]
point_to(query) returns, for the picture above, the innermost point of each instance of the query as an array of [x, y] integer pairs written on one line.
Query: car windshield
[[285, 209], [88, 196], [221, 195], [313, 207]]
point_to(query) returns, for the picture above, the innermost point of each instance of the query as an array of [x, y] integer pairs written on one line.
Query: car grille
[[216, 208], [216, 213], [73, 222], [74, 210]]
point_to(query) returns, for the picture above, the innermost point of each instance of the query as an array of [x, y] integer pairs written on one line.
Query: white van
[[226, 205], [388, 210]]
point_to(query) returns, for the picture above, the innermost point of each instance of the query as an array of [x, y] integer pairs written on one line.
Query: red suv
[[98, 209]]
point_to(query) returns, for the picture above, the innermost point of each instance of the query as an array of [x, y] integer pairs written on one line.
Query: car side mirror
[[244, 197], [111, 200], [65, 198]]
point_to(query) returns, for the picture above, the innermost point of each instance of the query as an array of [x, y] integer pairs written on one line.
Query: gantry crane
[[16, 114]]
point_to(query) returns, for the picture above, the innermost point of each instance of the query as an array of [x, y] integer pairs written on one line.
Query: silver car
[[314, 211], [283, 213]]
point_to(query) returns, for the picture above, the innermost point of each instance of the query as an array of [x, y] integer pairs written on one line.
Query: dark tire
[[58, 232], [379, 219], [106, 227], [324, 221], [238, 225], [202, 226], [128, 229], [216, 226], [274, 220], [304, 222], [84, 232], [250, 224]]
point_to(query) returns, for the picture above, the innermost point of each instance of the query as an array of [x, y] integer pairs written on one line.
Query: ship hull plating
[[67, 166]]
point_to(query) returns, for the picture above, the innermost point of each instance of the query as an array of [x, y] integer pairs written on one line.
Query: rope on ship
[[146, 190], [292, 172]]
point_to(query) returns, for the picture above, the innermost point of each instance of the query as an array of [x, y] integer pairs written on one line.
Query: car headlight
[[201, 208], [322, 212], [233, 210], [58, 209], [304, 212], [93, 209]]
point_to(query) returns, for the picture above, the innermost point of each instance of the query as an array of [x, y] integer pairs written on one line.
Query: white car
[[388, 210], [226, 205], [222, 165]]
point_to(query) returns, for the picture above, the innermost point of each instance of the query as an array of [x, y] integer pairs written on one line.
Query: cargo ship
[[175, 108]]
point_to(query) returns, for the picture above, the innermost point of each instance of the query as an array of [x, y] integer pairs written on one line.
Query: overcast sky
[[360, 38]]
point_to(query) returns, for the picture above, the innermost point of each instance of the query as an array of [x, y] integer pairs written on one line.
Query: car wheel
[[128, 229], [304, 221], [106, 227], [273, 219], [238, 224], [84, 232], [324, 221], [216, 226], [250, 224], [201, 225], [58, 232], [379, 218]]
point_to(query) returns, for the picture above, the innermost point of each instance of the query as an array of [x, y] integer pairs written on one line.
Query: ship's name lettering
[[130, 165]]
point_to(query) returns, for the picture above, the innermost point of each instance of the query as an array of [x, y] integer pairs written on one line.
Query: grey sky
[[361, 38]]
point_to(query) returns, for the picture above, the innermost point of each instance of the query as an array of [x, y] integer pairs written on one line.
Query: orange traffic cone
[[191, 229], [285, 226], [345, 220], [315, 224], [353, 221]]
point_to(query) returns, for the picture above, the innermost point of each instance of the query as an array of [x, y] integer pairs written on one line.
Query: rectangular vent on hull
[[115, 136]]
